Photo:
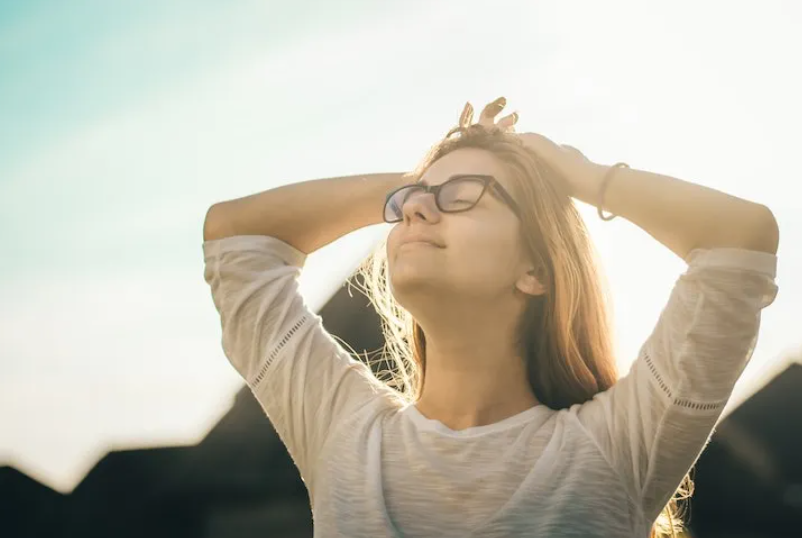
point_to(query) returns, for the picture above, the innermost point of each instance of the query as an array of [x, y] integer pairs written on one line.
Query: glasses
[[460, 193]]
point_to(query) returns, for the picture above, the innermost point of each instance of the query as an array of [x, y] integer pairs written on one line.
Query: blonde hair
[[566, 334]]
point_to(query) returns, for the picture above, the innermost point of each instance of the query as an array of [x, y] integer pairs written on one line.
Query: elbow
[[213, 227], [765, 233], [753, 227]]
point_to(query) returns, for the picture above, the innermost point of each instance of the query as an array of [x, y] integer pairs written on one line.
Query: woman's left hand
[[582, 175], [488, 115]]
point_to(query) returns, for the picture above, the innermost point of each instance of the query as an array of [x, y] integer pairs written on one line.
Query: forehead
[[466, 161]]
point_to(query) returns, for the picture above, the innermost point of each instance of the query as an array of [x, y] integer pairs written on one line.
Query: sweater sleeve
[[653, 424], [304, 380]]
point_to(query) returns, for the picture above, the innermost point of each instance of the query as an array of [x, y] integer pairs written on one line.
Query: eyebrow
[[424, 182]]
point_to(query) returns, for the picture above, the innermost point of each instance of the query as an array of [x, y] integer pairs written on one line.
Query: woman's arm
[[681, 215], [307, 215]]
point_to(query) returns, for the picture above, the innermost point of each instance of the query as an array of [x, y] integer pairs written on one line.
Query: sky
[[121, 123]]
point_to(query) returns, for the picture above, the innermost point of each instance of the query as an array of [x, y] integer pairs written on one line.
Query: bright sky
[[123, 122]]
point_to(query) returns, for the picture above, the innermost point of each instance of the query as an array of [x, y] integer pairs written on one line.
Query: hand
[[487, 117], [582, 175]]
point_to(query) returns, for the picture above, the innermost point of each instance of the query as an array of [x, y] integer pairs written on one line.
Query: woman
[[506, 416]]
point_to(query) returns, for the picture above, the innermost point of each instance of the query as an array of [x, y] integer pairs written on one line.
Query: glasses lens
[[456, 195], [393, 209], [461, 194]]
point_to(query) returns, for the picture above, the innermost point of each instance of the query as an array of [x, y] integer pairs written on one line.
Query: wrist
[[601, 201], [586, 183]]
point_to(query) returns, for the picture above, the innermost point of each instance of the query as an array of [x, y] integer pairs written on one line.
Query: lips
[[420, 243], [420, 239]]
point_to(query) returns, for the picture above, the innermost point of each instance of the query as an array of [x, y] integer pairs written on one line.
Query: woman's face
[[481, 253]]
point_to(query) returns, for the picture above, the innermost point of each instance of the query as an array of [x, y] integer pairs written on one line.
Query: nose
[[421, 205]]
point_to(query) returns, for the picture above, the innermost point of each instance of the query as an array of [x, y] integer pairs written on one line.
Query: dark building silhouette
[[240, 481]]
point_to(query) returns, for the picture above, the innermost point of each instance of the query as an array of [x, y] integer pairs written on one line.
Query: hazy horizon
[[122, 123]]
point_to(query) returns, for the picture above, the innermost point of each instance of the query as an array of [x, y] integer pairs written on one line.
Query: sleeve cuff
[[264, 243], [734, 258]]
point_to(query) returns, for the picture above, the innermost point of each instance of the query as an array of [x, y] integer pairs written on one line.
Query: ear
[[530, 284]]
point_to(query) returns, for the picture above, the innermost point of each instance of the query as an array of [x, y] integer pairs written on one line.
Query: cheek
[[391, 240], [488, 256]]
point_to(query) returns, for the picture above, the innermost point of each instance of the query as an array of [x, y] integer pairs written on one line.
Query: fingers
[[491, 111], [466, 118], [507, 123], [488, 115]]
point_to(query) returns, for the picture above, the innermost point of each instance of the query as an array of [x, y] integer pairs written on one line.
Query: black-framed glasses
[[460, 193]]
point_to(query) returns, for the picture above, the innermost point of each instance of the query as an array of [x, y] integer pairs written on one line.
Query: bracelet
[[605, 181]]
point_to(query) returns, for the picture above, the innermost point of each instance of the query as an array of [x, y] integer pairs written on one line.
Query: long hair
[[565, 334]]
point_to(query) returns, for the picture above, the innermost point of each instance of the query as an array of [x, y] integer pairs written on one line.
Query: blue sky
[[122, 122]]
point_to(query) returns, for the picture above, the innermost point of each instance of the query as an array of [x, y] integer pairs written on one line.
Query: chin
[[410, 283]]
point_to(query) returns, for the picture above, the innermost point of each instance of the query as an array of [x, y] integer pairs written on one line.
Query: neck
[[473, 377]]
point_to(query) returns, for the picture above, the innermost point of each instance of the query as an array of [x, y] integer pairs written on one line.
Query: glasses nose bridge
[[434, 190], [430, 189]]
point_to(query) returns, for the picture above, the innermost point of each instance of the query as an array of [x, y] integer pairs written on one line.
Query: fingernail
[[501, 101]]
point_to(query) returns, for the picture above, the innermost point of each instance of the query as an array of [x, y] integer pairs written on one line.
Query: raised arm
[[254, 249], [307, 215], [654, 422], [681, 215]]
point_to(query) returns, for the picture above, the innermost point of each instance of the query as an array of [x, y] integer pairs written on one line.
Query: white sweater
[[374, 467]]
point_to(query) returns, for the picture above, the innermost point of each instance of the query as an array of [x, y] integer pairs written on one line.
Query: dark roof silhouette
[[239, 481]]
